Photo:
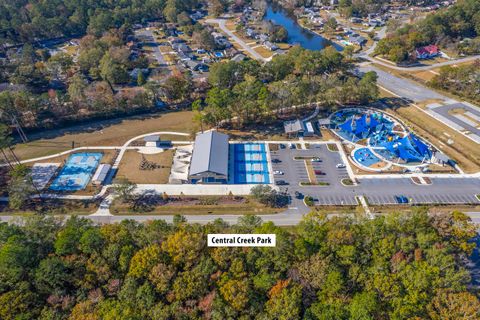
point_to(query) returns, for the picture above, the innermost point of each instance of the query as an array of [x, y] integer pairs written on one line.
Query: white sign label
[[242, 240]]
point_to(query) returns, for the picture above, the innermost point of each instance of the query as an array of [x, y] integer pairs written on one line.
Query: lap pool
[[248, 163], [76, 172]]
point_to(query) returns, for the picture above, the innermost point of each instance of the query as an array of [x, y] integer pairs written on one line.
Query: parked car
[[401, 199], [278, 172], [340, 165], [293, 146], [319, 172], [298, 195], [282, 146], [281, 183], [316, 159], [276, 160]]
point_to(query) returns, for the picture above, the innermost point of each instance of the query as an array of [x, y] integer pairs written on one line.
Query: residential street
[[221, 24], [149, 38]]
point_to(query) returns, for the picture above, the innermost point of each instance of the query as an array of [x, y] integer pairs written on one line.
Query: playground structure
[[380, 141]]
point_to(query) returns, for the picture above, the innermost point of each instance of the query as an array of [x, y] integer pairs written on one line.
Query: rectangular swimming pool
[[250, 163], [77, 171]]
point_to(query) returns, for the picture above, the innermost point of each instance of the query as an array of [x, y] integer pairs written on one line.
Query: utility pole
[[19, 129]]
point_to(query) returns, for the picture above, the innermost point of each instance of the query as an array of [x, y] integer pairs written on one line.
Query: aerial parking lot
[[441, 191], [294, 164], [296, 168]]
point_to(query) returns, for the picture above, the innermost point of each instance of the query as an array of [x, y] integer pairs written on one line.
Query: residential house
[[251, 33], [427, 52], [239, 57], [357, 40], [270, 46]]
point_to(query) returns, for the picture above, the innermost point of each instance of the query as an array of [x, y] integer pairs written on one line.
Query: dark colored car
[[401, 199], [282, 146], [298, 195], [319, 172], [281, 183], [276, 160]]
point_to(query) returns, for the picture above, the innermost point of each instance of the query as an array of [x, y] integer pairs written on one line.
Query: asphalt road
[[444, 111], [402, 87]]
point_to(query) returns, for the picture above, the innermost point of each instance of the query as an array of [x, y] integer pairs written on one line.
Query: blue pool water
[[365, 157], [250, 163], [76, 172]]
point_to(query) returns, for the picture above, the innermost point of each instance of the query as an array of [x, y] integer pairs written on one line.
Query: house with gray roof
[[210, 158]]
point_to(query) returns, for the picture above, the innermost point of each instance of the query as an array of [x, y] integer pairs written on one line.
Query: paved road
[[421, 67], [221, 24], [445, 112], [402, 87], [147, 37]]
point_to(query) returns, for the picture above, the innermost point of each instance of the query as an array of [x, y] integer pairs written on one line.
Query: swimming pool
[[249, 163], [77, 171], [365, 157]]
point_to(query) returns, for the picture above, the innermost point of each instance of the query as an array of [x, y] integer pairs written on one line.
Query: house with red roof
[[427, 52]]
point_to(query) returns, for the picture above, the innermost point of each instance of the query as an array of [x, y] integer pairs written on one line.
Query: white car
[[277, 172], [340, 165]]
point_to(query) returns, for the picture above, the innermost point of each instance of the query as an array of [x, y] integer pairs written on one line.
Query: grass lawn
[[425, 75], [264, 52], [165, 49], [130, 167], [463, 150], [244, 208], [332, 147], [104, 133]]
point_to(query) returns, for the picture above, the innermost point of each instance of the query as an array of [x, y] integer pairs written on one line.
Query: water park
[[380, 142]]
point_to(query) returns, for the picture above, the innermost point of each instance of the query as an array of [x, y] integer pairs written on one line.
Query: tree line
[[463, 80], [399, 266], [247, 92], [31, 20], [454, 28]]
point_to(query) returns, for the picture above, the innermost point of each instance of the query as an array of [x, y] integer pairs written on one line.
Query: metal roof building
[[294, 127], [210, 158], [101, 174]]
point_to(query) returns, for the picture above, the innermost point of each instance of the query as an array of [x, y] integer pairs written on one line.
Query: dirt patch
[[130, 167]]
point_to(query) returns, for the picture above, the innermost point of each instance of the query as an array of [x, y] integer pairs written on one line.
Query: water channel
[[296, 34]]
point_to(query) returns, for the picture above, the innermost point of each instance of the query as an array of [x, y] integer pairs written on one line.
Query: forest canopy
[[455, 28], [400, 266], [28, 20]]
